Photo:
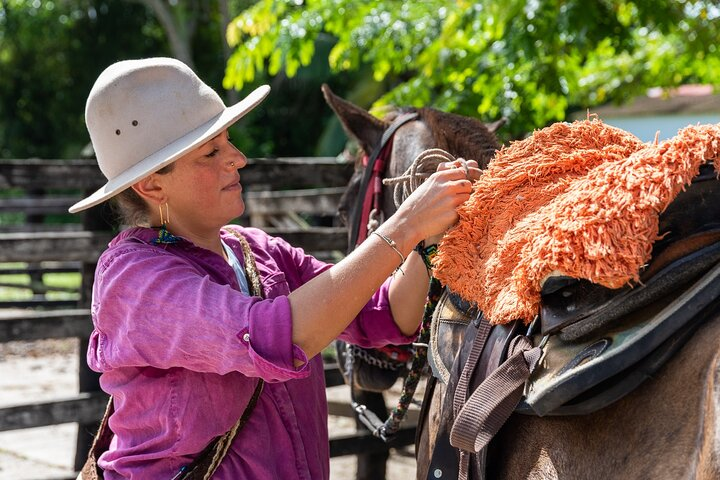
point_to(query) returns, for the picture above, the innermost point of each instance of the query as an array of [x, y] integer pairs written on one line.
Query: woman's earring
[[164, 237]]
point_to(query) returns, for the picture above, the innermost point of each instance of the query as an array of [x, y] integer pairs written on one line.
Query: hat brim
[[174, 150]]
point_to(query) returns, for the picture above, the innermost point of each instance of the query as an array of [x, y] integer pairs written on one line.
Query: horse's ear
[[496, 125], [356, 122]]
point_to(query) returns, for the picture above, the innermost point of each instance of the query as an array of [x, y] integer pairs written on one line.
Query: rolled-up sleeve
[[152, 308], [374, 326]]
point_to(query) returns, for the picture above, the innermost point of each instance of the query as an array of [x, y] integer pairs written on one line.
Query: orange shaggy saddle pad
[[577, 199]]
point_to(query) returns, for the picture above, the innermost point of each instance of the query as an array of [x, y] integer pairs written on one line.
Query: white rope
[[424, 165], [376, 218]]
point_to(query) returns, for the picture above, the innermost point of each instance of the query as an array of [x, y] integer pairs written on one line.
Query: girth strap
[[445, 460], [462, 388]]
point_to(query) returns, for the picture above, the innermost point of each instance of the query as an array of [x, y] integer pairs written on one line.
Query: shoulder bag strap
[[209, 460]]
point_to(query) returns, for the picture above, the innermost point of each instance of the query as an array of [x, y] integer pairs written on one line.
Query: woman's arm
[[325, 306]]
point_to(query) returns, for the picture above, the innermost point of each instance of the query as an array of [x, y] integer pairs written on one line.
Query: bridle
[[371, 184], [370, 192]]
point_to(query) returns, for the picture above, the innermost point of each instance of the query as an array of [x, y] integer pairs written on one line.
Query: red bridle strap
[[373, 194], [373, 189]]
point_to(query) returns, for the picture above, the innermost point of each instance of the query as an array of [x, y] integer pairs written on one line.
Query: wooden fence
[[294, 198]]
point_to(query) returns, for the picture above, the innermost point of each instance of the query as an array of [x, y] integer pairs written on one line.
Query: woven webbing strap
[[470, 365], [491, 404], [495, 399], [461, 390]]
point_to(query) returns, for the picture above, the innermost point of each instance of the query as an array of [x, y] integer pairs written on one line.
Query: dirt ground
[[47, 370]]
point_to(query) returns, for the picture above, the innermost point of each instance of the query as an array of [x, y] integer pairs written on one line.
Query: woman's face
[[203, 189]]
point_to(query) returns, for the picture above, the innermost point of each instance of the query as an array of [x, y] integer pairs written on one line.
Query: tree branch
[[178, 34]]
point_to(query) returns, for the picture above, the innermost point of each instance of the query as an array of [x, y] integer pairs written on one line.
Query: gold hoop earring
[[163, 221], [164, 237]]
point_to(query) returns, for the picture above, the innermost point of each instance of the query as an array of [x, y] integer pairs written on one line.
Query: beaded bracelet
[[427, 253]]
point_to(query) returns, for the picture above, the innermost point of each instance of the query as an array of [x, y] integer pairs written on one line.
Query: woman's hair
[[131, 208]]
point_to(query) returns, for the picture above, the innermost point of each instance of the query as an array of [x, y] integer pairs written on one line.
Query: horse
[[461, 135], [667, 427]]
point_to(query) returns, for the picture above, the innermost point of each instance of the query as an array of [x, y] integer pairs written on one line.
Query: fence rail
[[260, 174]]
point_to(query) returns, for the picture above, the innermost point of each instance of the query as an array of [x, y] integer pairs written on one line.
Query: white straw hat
[[144, 114]]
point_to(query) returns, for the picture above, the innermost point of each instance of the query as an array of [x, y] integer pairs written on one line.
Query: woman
[[183, 342]]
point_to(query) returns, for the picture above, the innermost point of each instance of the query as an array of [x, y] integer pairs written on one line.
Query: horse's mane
[[461, 136], [464, 137]]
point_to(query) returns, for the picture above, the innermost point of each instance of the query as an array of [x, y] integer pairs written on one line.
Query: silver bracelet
[[393, 245]]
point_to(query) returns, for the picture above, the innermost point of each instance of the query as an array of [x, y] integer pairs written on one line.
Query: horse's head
[[460, 136]]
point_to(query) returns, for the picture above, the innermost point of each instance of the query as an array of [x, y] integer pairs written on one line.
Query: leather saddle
[[598, 344]]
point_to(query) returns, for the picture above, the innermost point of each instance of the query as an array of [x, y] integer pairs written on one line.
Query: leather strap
[[368, 173]]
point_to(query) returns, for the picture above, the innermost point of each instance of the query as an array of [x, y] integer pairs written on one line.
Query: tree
[[51, 52], [530, 61], [179, 20]]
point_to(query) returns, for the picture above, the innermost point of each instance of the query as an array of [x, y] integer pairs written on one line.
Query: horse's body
[[465, 135], [669, 427]]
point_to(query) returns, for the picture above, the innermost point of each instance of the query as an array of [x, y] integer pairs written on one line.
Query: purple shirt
[[181, 349]]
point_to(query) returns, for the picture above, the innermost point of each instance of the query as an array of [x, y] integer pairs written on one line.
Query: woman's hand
[[430, 210], [473, 169], [323, 307], [452, 185]]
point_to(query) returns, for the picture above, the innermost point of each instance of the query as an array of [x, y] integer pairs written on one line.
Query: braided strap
[[392, 424], [250, 267], [209, 460]]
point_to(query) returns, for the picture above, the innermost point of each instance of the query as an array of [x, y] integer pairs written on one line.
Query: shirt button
[[246, 337]]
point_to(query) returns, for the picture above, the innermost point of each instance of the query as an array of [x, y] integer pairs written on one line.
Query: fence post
[[95, 219], [371, 466], [36, 277]]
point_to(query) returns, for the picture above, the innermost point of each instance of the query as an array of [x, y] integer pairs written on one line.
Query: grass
[[22, 280]]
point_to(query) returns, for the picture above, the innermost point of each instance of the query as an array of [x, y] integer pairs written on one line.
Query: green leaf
[[531, 61]]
